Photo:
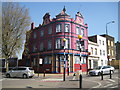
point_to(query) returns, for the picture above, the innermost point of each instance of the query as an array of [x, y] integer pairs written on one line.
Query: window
[[104, 52], [83, 60], [66, 43], [91, 50], [101, 62], [108, 42], [49, 44], [78, 30], [34, 48], [41, 46], [103, 42], [41, 33], [34, 35], [99, 41], [58, 43], [21, 68], [50, 30], [77, 60], [58, 28], [100, 52], [67, 27], [77, 44], [112, 52], [95, 51], [48, 60], [111, 43], [82, 31], [108, 51]]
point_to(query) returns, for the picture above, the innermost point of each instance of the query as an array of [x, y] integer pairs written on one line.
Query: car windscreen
[[97, 68]]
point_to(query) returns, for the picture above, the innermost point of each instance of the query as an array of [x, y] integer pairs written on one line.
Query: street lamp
[[80, 37], [64, 40], [80, 77], [107, 24]]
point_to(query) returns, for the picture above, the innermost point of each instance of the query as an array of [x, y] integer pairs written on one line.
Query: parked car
[[99, 69], [24, 72]]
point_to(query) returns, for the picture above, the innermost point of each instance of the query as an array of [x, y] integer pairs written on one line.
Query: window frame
[[78, 30], [50, 30], [65, 27], [60, 28]]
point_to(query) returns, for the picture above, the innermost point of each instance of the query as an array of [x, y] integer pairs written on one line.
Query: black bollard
[[80, 82], [110, 74], [101, 75]]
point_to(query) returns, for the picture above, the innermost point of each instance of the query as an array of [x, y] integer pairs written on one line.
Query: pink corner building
[[46, 43]]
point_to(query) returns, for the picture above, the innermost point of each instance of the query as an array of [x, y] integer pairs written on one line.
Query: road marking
[[111, 80], [115, 87], [52, 80], [107, 85], [99, 84]]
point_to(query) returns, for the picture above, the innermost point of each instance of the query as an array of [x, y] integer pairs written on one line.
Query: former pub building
[[46, 42]]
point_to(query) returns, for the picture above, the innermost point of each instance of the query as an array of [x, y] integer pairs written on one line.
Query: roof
[[62, 13]]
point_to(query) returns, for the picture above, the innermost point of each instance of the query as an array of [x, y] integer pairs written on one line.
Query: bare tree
[[15, 23]]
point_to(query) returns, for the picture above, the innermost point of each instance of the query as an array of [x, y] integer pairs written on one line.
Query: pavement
[[70, 81]]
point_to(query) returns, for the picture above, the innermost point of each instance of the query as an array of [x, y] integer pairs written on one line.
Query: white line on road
[[99, 84], [111, 80], [108, 85]]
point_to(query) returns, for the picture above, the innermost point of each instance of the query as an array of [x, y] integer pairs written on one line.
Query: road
[[56, 81]]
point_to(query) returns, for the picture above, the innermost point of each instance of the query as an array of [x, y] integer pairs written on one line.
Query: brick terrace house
[[46, 42]]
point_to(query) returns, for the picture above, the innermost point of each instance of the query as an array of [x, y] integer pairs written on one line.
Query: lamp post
[[64, 40], [80, 82], [80, 37], [106, 26]]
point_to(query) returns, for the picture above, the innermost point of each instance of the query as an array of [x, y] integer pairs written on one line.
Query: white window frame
[[82, 32], [58, 28], [58, 43], [67, 27], [66, 44], [77, 30]]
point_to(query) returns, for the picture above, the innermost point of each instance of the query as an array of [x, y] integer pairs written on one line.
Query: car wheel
[[8, 75], [25, 76]]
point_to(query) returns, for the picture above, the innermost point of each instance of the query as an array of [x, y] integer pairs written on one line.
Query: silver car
[[24, 72], [104, 69]]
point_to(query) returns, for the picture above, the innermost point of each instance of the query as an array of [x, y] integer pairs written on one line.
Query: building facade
[[94, 56], [100, 50], [46, 43], [117, 45], [110, 42]]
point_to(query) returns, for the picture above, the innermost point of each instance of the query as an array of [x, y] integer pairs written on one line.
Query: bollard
[[80, 82], [44, 74], [110, 74], [101, 75]]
